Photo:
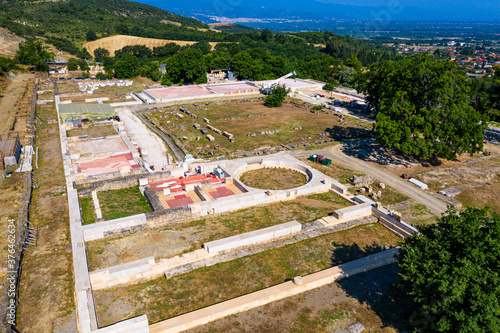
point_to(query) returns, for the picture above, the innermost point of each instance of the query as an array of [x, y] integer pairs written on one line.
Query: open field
[[118, 42], [180, 238], [241, 119], [116, 204], [47, 282], [161, 299], [92, 131], [481, 196], [379, 306], [273, 179], [476, 178]]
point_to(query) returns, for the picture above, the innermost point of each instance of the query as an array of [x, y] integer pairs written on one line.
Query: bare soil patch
[[46, 291], [15, 101], [118, 42]]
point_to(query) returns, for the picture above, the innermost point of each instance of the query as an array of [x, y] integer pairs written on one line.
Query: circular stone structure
[[273, 177]]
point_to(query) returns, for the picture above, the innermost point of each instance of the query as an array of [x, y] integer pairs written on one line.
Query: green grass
[[116, 204], [88, 214]]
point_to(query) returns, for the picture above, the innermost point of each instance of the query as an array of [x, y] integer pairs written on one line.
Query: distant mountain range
[[318, 10]]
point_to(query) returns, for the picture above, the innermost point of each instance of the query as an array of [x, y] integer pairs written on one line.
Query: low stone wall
[[169, 216], [153, 200], [117, 183], [258, 236], [114, 228]]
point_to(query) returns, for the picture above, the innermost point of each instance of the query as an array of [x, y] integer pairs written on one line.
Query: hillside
[[71, 20]]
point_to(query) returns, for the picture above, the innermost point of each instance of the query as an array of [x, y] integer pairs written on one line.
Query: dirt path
[[13, 93], [435, 205], [139, 133]]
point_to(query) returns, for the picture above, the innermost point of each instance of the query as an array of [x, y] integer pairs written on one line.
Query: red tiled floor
[[178, 202], [221, 192], [106, 165], [186, 180]]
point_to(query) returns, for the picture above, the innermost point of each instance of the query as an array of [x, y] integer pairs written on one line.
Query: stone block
[[353, 212]]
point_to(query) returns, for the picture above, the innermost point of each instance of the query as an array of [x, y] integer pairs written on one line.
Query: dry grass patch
[[92, 131], [486, 195], [240, 120], [115, 43], [180, 238], [371, 298], [47, 279], [273, 179], [335, 171], [161, 299]]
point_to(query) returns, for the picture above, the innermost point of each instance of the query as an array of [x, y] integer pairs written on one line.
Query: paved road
[[435, 205]]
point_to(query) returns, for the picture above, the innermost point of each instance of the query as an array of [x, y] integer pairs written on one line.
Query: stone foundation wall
[[169, 216], [153, 200]]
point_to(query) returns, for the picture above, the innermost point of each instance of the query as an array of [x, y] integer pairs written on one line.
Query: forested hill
[[72, 19]]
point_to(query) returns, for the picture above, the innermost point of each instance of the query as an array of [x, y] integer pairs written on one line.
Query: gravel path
[[139, 133], [435, 205]]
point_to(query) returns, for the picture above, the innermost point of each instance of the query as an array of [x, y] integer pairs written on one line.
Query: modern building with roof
[[10, 151], [91, 112]]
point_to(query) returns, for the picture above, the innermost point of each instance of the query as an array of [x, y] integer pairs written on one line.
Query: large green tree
[[277, 97], [33, 53], [126, 67], [423, 108], [187, 66], [100, 53], [451, 270]]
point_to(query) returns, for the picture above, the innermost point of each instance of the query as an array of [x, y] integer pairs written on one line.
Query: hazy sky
[[419, 3], [462, 10]]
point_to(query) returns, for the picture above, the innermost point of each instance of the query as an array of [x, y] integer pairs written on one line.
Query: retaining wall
[[112, 228], [400, 228], [258, 236]]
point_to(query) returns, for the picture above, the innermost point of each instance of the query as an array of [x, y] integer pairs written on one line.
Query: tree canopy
[[126, 67], [276, 99], [424, 108], [33, 53], [187, 67], [486, 97], [451, 270]]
